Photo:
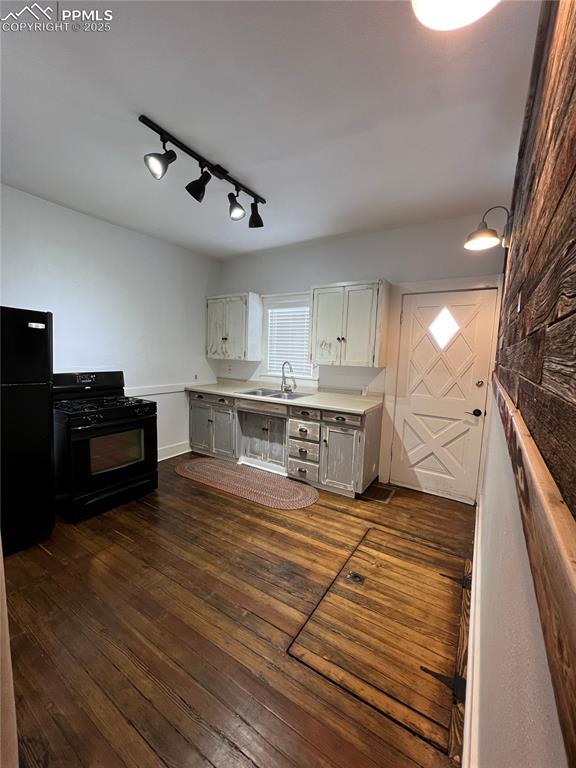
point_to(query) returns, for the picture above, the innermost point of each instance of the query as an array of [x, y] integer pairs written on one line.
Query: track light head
[[158, 162], [197, 188], [236, 211], [255, 221]]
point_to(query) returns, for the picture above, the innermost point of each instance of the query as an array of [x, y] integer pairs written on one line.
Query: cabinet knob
[[475, 412], [303, 430], [302, 450], [305, 413], [338, 338], [264, 429], [325, 441], [340, 418], [221, 400], [301, 469], [344, 339]]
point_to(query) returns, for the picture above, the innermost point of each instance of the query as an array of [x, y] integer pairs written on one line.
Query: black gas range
[[105, 443]]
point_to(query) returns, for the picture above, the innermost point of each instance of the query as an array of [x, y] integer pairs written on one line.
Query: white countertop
[[332, 401]]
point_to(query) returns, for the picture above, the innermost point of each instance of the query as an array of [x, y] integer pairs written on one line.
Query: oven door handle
[[139, 421]]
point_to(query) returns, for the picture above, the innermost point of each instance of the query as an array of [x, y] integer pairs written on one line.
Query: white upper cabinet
[[349, 324], [234, 327]]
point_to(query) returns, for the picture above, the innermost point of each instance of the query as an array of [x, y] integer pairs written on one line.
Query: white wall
[[121, 300], [422, 252], [512, 720]]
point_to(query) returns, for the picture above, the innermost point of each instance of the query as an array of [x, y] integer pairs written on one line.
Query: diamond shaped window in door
[[443, 327]]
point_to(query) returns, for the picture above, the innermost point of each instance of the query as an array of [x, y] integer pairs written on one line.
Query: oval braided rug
[[249, 483]]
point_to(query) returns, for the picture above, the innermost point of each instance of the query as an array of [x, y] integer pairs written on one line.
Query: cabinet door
[[216, 328], [235, 345], [338, 458], [276, 453], [223, 431], [201, 427], [327, 325], [359, 326], [254, 437]]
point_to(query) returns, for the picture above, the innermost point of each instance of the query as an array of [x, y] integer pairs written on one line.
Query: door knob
[[475, 412]]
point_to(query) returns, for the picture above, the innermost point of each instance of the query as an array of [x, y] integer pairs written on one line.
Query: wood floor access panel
[[387, 630]]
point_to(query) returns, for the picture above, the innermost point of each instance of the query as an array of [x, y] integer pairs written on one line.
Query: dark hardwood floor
[[157, 634]]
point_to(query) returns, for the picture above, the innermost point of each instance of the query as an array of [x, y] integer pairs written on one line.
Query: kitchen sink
[[288, 395], [275, 393], [259, 392]]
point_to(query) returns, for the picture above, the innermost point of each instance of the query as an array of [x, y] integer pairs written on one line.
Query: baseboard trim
[[168, 451], [470, 736]]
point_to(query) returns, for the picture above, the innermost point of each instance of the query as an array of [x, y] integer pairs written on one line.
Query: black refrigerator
[[27, 486]]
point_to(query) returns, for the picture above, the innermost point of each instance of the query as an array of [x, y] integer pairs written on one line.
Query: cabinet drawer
[[304, 451], [303, 470], [222, 400], [304, 413], [334, 417], [305, 430], [199, 396], [211, 398]]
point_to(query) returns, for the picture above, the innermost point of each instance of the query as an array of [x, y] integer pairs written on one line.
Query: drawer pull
[[303, 430], [200, 397], [264, 429], [340, 418], [301, 469], [305, 413], [221, 399], [302, 450]]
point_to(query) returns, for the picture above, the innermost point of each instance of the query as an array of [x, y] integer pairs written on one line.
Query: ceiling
[[345, 116]]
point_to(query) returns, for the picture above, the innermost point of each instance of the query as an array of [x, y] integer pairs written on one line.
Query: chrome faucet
[[287, 387]]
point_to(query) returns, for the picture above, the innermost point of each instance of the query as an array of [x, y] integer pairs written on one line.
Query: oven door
[[112, 454]]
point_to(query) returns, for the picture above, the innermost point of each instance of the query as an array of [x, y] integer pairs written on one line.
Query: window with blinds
[[287, 335]]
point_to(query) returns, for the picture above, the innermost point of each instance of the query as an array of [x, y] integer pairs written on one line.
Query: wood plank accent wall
[[536, 359], [535, 387]]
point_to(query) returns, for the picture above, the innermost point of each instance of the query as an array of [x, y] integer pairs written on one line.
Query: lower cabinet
[[340, 457], [212, 429], [263, 437]]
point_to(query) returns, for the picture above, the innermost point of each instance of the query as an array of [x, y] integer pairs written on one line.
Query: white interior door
[[359, 327], [327, 325], [443, 375]]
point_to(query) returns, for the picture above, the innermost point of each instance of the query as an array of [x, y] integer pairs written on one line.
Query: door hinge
[[457, 684]]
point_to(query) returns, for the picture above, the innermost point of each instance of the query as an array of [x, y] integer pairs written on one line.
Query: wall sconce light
[[484, 237], [443, 15]]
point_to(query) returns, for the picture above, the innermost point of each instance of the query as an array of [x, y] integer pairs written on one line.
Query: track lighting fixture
[[157, 163], [485, 237], [255, 221], [197, 188], [236, 211]]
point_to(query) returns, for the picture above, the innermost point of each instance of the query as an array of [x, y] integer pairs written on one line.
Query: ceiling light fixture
[[443, 15], [157, 163], [236, 211], [197, 188], [485, 237], [255, 220]]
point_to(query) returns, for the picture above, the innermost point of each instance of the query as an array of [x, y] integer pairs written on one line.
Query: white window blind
[[287, 335]]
